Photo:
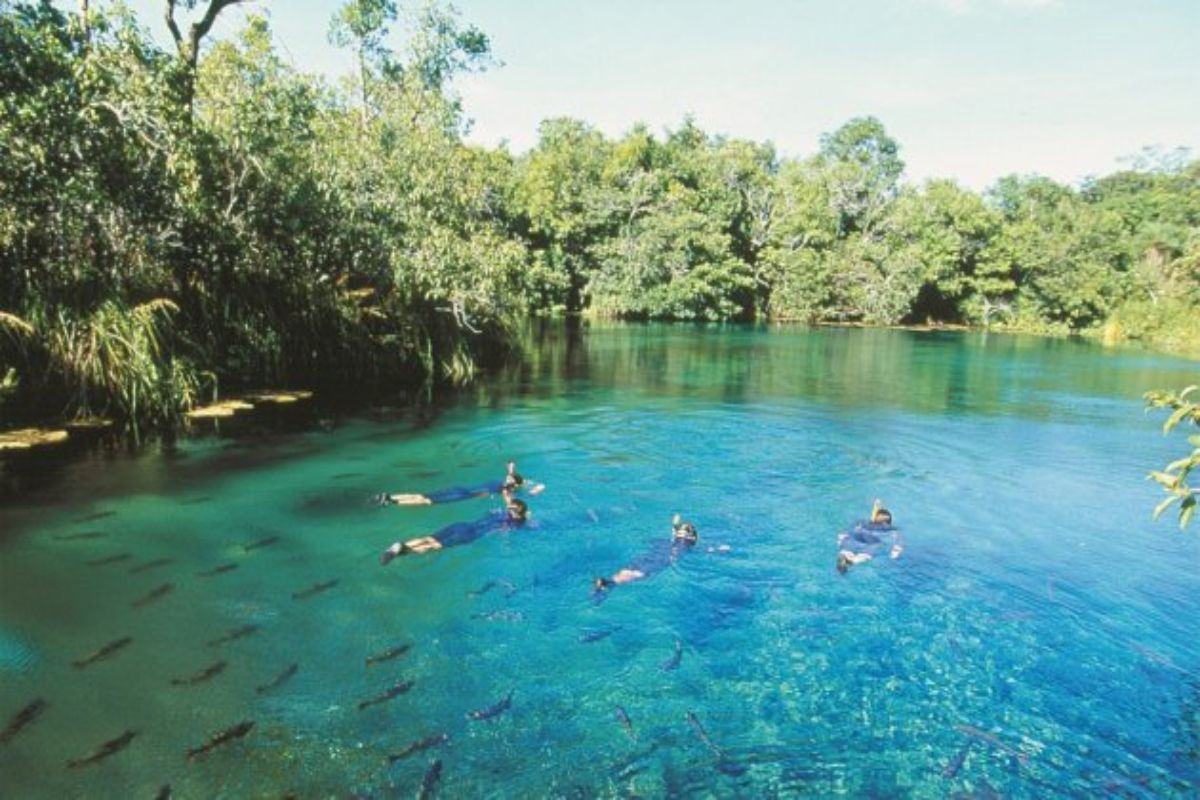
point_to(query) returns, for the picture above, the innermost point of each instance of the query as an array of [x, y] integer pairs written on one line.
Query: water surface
[[1037, 638]]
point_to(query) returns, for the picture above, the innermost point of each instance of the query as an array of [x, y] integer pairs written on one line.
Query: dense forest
[[174, 223]]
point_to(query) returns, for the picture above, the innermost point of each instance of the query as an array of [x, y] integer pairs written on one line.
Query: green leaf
[[1163, 506]]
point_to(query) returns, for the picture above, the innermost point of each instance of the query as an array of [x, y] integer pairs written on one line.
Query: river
[[1038, 636]]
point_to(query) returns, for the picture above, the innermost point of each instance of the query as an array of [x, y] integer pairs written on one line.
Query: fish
[[278, 680], [164, 792], [703, 734], [390, 694], [316, 588], [149, 565], [419, 745], [203, 676], [76, 537], [984, 736], [111, 747], [389, 654], [267, 542], [152, 595], [955, 764], [343, 475], [100, 562], [494, 710], [430, 781], [482, 590], [233, 635], [96, 516], [221, 737], [626, 723], [673, 661], [587, 637], [103, 653], [23, 718], [208, 573], [195, 501]]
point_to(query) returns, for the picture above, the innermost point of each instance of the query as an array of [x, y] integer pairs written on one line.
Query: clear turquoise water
[[1038, 638]]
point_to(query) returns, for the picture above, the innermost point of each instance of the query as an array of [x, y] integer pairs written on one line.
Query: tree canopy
[[175, 222]]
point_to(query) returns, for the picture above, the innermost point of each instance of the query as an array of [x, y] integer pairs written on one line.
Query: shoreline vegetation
[[177, 226]]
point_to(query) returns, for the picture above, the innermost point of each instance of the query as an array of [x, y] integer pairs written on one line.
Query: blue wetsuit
[[868, 537], [467, 532], [456, 493]]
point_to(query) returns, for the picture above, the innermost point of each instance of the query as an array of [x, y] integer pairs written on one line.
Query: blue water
[[1037, 637]]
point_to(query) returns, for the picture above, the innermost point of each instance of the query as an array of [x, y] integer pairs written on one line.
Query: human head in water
[[516, 509], [683, 531], [513, 479], [879, 514]]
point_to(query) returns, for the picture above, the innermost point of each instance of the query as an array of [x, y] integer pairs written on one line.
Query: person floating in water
[[865, 540], [515, 513], [512, 481], [658, 558]]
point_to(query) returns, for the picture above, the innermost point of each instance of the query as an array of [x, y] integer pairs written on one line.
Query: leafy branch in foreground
[[1173, 477]]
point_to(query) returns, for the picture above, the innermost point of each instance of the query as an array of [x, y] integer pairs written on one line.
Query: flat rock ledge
[[27, 438], [247, 402]]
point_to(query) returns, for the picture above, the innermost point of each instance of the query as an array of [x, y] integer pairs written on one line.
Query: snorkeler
[[512, 480], [515, 513], [658, 558], [865, 540]]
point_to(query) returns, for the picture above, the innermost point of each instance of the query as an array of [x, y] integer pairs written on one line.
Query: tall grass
[[116, 360]]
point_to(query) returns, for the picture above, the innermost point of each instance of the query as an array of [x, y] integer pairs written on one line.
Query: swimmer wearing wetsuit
[[866, 539], [515, 513], [658, 558], [512, 481]]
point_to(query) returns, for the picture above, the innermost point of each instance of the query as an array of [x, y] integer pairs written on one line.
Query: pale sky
[[971, 89]]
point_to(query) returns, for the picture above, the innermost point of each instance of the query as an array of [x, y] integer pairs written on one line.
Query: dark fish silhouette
[[149, 565], [316, 588], [955, 764], [493, 710], [626, 723], [703, 734], [724, 764], [164, 792], [152, 595], [23, 717], [430, 781], [389, 654], [587, 637], [509, 588], [203, 676], [75, 537], [233, 635], [482, 590], [419, 745], [103, 751], [219, 738], [279, 679], [195, 501], [267, 542], [343, 475], [100, 562], [208, 573], [103, 653], [673, 662], [96, 516], [400, 688]]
